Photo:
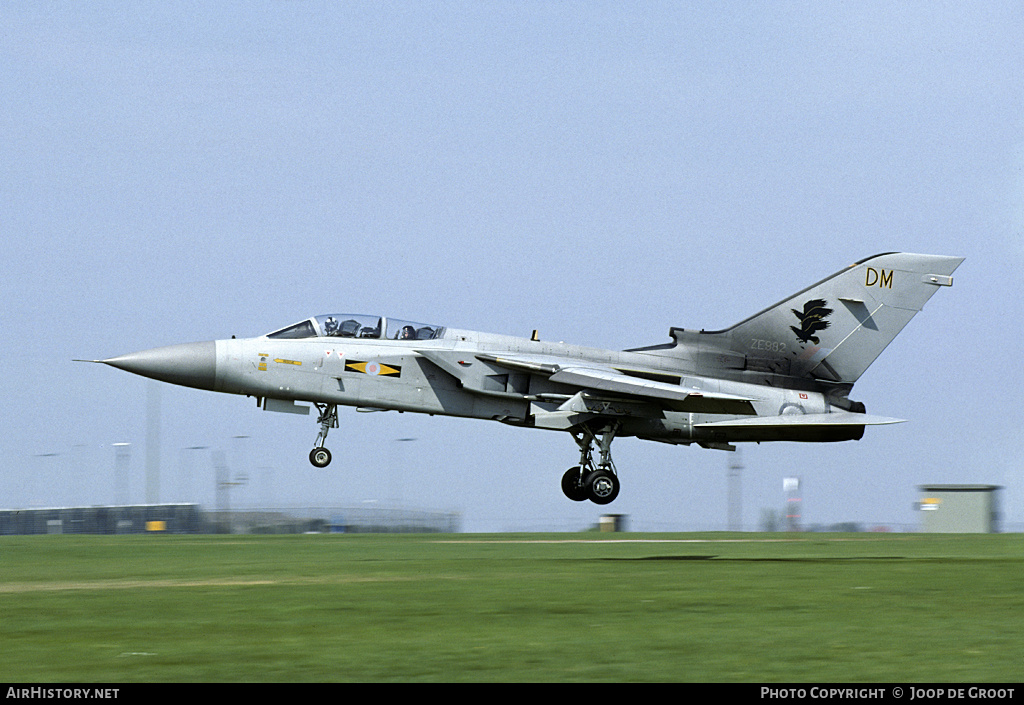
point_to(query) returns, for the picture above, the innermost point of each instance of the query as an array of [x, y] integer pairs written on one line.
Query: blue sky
[[598, 171]]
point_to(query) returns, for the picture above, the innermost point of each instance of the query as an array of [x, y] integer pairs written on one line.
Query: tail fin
[[833, 330]]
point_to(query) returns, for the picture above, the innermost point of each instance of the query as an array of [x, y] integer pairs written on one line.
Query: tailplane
[[832, 331]]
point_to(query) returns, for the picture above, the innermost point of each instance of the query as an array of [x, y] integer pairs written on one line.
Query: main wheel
[[602, 487], [320, 457], [571, 485]]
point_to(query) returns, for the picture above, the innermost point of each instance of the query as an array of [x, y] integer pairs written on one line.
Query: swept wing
[[609, 380]]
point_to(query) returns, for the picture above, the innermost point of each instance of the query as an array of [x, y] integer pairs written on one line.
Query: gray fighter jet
[[784, 374]]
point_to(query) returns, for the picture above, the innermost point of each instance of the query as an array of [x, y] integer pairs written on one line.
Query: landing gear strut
[[597, 482], [320, 456]]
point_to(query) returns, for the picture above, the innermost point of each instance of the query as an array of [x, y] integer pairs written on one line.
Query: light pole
[[397, 462], [47, 481], [122, 458], [186, 472], [735, 492], [241, 461], [224, 484]]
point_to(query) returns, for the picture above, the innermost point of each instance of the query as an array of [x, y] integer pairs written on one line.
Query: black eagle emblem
[[812, 319]]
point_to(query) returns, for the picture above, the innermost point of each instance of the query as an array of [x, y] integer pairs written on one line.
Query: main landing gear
[[320, 456], [598, 483]]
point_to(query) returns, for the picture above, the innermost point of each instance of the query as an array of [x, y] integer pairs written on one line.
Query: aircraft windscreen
[[299, 330]]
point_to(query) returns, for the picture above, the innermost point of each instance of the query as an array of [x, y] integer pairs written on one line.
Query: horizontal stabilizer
[[843, 418], [839, 426]]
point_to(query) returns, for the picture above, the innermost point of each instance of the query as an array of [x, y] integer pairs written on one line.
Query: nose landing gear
[[321, 457]]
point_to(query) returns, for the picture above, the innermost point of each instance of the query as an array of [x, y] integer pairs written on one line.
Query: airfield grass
[[528, 607]]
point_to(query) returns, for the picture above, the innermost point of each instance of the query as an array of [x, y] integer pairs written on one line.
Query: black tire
[[571, 486], [320, 457], [602, 487]]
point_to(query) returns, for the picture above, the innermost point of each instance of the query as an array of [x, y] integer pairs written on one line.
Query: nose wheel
[[320, 457]]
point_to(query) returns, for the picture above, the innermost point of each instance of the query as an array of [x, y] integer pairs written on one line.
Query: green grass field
[[529, 607]]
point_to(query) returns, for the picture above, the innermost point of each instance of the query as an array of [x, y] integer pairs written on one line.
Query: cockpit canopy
[[349, 325]]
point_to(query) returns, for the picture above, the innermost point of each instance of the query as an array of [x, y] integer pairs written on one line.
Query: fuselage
[[447, 376], [387, 364]]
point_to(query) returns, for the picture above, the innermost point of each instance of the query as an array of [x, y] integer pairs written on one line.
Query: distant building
[[120, 519], [191, 519], [959, 509]]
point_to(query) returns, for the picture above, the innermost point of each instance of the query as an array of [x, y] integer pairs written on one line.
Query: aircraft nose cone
[[188, 364]]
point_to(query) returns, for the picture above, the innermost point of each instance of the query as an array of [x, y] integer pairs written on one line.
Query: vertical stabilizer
[[833, 330]]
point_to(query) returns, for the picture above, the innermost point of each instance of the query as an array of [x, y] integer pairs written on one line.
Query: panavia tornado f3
[[784, 374]]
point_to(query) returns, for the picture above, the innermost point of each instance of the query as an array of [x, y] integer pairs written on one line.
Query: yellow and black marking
[[287, 362], [373, 368]]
